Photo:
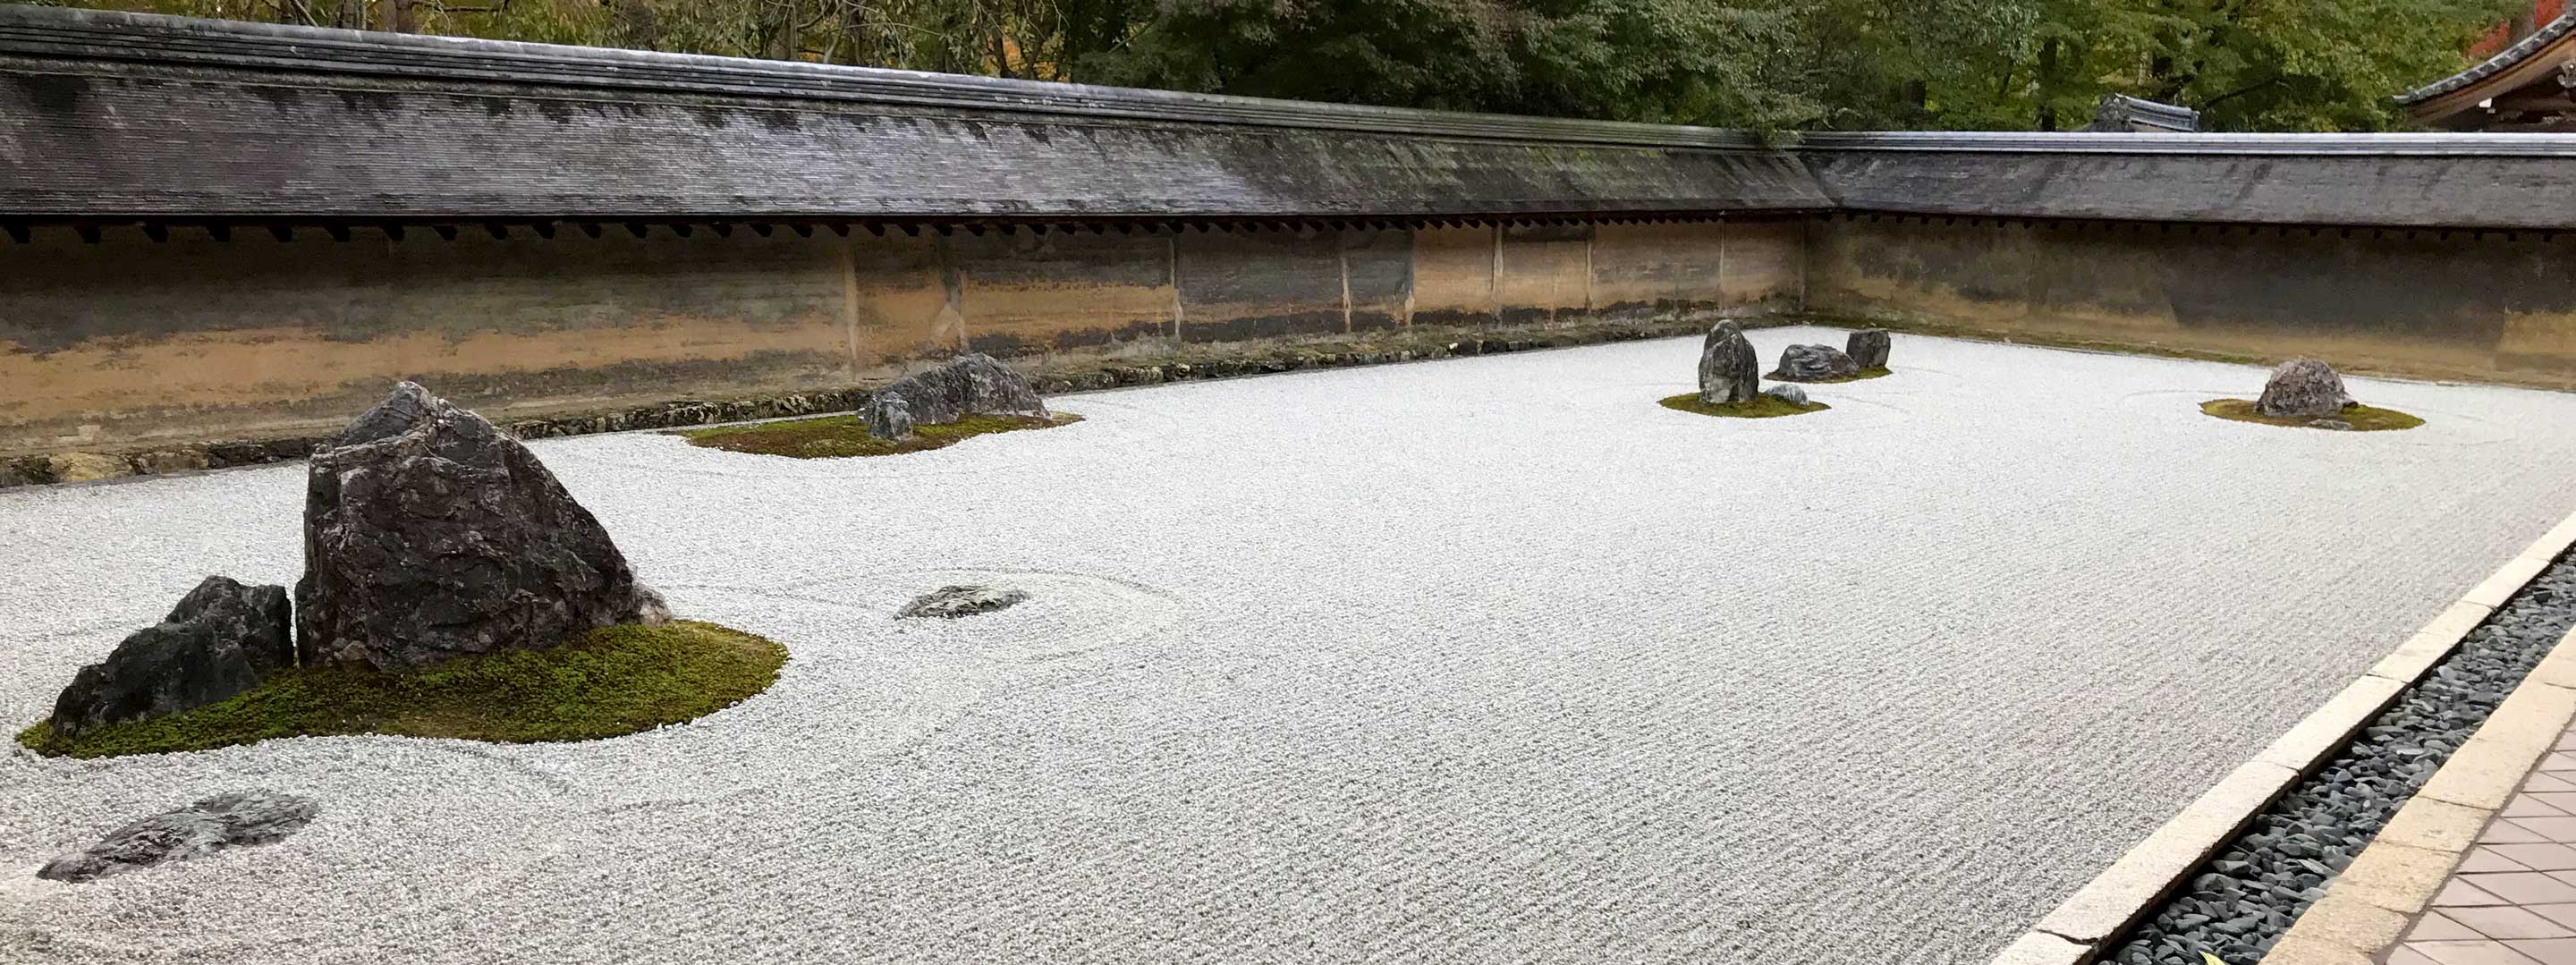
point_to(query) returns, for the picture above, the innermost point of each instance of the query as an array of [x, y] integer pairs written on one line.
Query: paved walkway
[[2512, 900]]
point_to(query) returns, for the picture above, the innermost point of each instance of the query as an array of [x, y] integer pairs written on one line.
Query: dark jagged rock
[[2303, 388], [1814, 363], [968, 384], [214, 824], [951, 602], [889, 416], [1787, 393], [430, 534], [222, 639], [1867, 348], [1728, 370]]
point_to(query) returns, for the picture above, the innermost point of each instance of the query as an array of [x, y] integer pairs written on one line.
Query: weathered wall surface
[[2492, 306], [127, 343]]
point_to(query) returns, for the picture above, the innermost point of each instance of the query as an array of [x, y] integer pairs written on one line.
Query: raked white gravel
[[1484, 660]]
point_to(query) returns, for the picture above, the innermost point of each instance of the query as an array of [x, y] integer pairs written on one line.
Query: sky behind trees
[[2248, 65]]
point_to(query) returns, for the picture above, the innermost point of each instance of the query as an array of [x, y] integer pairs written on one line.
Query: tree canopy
[[2248, 65]]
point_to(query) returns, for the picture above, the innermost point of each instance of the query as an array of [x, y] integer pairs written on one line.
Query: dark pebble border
[[1050, 378], [2241, 901]]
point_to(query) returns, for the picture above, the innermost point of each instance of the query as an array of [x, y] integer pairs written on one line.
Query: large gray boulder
[[2303, 388], [429, 534], [1867, 348], [214, 824], [967, 384], [222, 639], [1728, 370], [1814, 363]]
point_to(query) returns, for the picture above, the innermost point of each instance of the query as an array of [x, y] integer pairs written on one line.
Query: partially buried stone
[[211, 825], [1867, 348], [2336, 424], [1814, 363], [966, 385], [889, 417], [222, 639], [1787, 393], [2303, 387], [430, 534], [1728, 371], [951, 602]]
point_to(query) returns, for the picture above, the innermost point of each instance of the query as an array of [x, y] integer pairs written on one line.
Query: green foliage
[[1760, 407], [829, 437], [2284, 65], [2363, 418], [610, 681]]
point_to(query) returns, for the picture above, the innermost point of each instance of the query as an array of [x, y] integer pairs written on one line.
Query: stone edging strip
[[2133, 886]]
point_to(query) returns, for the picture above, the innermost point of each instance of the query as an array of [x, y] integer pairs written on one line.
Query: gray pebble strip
[[2246, 897]]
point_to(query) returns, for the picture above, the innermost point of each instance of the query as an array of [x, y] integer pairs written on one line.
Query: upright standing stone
[[967, 384], [1728, 370], [222, 639], [429, 534], [1867, 348], [2303, 388]]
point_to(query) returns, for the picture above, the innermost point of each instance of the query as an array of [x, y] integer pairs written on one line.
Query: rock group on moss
[[429, 534]]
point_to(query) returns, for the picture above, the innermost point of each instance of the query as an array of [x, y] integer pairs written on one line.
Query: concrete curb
[[2121, 895]]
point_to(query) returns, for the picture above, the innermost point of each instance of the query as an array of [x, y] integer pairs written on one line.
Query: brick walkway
[[2512, 901]]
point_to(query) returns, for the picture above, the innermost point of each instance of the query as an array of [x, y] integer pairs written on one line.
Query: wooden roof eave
[[2541, 67]]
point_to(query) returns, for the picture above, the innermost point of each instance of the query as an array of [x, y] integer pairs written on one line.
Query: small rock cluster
[[2247, 896], [429, 534], [968, 384], [203, 828], [1727, 365]]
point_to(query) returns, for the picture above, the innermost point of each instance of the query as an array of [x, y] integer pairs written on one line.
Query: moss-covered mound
[[1872, 372], [1762, 406], [2362, 417], [610, 681], [835, 436]]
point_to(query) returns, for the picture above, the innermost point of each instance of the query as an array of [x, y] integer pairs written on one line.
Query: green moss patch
[[1872, 372], [831, 437], [1761, 407], [607, 682], [2362, 417]]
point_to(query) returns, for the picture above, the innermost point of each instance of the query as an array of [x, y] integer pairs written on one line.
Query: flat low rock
[[2303, 388], [1867, 348], [223, 638], [951, 602], [200, 829], [1728, 369], [1814, 363], [1787, 393], [968, 384], [430, 534]]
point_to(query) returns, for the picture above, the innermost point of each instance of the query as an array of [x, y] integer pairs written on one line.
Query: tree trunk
[[2047, 85]]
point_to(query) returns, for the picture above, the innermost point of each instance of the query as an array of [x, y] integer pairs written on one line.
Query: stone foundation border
[[1051, 375], [2140, 880]]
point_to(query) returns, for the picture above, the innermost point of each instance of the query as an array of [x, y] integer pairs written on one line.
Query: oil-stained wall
[[129, 342], [2494, 306]]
